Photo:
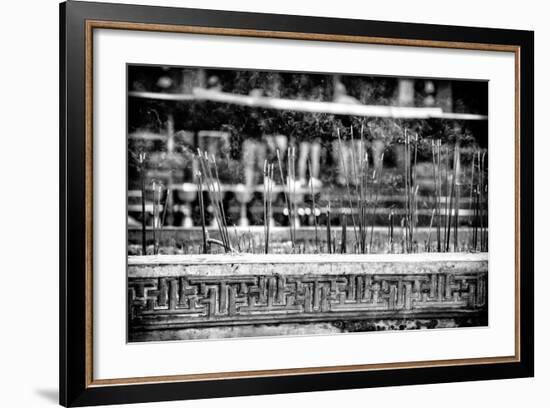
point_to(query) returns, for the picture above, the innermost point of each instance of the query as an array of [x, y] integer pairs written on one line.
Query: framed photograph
[[256, 203]]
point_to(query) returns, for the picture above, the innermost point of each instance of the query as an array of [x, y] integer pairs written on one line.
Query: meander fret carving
[[216, 300]]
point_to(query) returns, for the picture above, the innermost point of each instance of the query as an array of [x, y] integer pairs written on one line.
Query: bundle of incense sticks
[[286, 190], [313, 209], [445, 206], [363, 191], [376, 180], [391, 217], [157, 193], [268, 201], [477, 201], [482, 205], [436, 161], [452, 207], [292, 198], [411, 191], [415, 184], [329, 231], [212, 181], [205, 246], [163, 220], [348, 189], [429, 241], [141, 165], [457, 183], [362, 172], [471, 208]]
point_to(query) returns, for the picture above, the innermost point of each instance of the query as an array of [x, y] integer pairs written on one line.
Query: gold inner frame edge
[[119, 25]]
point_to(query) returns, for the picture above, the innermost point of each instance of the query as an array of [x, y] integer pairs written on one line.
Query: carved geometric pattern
[[195, 301]]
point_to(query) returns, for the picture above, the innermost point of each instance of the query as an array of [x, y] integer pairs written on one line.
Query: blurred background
[[227, 160]]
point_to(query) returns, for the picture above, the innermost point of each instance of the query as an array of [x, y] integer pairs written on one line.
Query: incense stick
[[375, 205], [457, 182], [201, 208], [213, 185], [429, 245], [268, 189], [141, 161], [313, 205], [166, 200], [470, 204], [482, 203], [390, 235], [287, 203], [346, 178], [329, 232]]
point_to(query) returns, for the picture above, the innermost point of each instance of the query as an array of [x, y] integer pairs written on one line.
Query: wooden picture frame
[[78, 20]]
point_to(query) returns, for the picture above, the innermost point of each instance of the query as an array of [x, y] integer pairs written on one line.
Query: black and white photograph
[[274, 204], [266, 203]]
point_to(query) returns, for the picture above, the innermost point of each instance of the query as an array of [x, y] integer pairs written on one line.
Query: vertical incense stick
[[479, 203], [483, 203], [360, 177], [203, 161], [220, 202], [364, 169], [213, 185], [375, 205], [452, 208], [457, 183], [414, 185], [407, 219], [156, 215], [470, 204], [268, 190], [201, 208], [266, 221], [269, 203], [329, 232], [414, 215], [166, 201], [270, 198], [353, 158], [435, 196], [391, 217], [313, 205], [154, 225], [429, 245], [449, 190], [439, 195], [285, 193], [292, 186], [403, 236], [141, 160], [346, 178]]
